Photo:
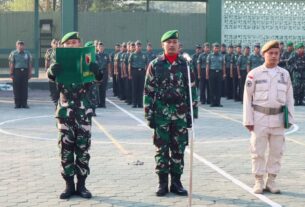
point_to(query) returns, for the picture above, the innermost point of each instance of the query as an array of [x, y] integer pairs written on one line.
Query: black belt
[[216, 71], [21, 69], [267, 111], [139, 69]]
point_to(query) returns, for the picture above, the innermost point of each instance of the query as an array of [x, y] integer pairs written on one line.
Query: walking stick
[[188, 59]]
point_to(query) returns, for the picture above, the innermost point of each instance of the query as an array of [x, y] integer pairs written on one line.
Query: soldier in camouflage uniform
[[297, 64], [167, 109], [54, 93], [74, 113], [285, 57], [255, 59]]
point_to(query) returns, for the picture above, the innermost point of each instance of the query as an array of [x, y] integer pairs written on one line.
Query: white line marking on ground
[[211, 165]]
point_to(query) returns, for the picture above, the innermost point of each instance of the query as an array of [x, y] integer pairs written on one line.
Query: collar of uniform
[[265, 69]]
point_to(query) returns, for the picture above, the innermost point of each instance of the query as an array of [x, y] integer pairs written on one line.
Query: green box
[[74, 63]]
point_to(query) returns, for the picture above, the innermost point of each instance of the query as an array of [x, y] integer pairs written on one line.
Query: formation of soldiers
[[222, 72], [128, 67]]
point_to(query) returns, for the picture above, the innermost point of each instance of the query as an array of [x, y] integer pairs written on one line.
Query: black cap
[[100, 43], [223, 45], [198, 46], [206, 44], [258, 45], [20, 42], [117, 44], [230, 46], [246, 47], [138, 42]]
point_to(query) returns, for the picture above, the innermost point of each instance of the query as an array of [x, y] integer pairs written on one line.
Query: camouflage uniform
[[167, 109], [74, 113], [297, 64]]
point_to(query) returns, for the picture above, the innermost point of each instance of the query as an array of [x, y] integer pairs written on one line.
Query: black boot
[[81, 189], [176, 185], [70, 188], [163, 185]]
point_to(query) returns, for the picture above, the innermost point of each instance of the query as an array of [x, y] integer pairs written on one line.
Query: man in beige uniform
[[267, 89]]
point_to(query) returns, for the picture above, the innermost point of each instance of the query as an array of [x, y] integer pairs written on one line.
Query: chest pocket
[[281, 93], [261, 91]]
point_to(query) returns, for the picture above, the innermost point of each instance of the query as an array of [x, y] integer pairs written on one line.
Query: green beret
[[230, 46], [299, 45], [70, 36], [215, 44], [271, 44], [89, 44], [172, 34], [289, 44]]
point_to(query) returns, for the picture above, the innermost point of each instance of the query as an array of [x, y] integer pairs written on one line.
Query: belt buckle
[[21, 69], [217, 71], [139, 69]]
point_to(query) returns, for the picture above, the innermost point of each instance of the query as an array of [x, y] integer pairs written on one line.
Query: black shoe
[[176, 185], [17, 106], [219, 105], [212, 105], [202, 102], [93, 113], [81, 189], [25, 106], [70, 188], [140, 106], [163, 185], [134, 106]]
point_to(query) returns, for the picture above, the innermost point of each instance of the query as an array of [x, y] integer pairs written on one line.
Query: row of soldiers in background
[[223, 71], [128, 65]]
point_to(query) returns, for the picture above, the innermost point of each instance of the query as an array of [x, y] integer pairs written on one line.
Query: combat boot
[[259, 184], [176, 185], [70, 188], [271, 186], [163, 185], [81, 189]]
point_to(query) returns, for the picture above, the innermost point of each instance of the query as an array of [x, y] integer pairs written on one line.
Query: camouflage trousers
[[170, 141], [74, 143]]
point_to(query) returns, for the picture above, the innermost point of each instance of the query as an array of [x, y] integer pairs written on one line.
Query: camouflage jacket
[[74, 101], [166, 91]]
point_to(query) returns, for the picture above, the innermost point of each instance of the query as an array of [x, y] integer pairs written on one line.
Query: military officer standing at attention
[[167, 110], [194, 63], [242, 69], [255, 59], [113, 73], [285, 57], [268, 88], [215, 73], [54, 93], [20, 63], [73, 114], [229, 81], [297, 64], [102, 59], [201, 69], [137, 67], [234, 74], [149, 53]]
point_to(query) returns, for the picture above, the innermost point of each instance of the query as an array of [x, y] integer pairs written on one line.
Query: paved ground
[[30, 170]]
